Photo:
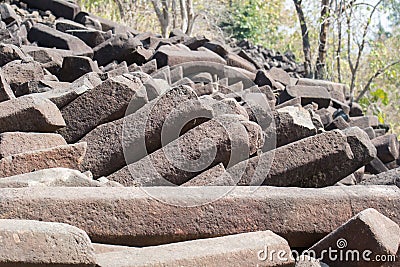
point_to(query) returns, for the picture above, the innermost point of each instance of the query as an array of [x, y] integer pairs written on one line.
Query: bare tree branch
[[373, 77], [120, 8], [361, 47], [156, 9], [162, 15], [339, 48], [322, 48], [305, 37], [344, 7], [174, 14], [184, 15], [191, 17]]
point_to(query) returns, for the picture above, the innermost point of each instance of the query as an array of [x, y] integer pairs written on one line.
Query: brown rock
[[140, 55], [231, 139], [293, 124], [376, 166], [92, 21], [9, 52], [5, 90], [348, 180], [359, 174], [367, 231], [338, 123], [337, 91], [131, 216], [67, 156], [316, 161], [41, 86], [19, 72], [70, 70], [217, 48], [120, 69], [34, 243], [364, 121], [371, 133], [379, 132], [307, 261], [149, 67], [341, 106], [237, 61], [325, 116], [264, 78], [249, 58], [65, 25], [48, 37], [91, 37], [104, 103], [356, 110], [60, 8], [119, 48], [138, 132], [50, 58], [247, 249], [63, 96], [308, 94], [292, 102], [172, 56], [280, 75], [18, 142], [30, 114], [55, 177], [387, 147], [390, 177], [257, 106], [8, 14], [216, 176]]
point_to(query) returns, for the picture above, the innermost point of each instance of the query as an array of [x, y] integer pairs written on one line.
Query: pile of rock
[[269, 58], [180, 151]]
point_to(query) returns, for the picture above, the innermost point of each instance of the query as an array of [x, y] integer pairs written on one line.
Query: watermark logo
[[341, 243], [340, 254]]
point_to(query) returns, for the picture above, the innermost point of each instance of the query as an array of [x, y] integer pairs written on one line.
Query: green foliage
[[383, 100], [255, 20], [380, 95], [373, 102], [103, 8]]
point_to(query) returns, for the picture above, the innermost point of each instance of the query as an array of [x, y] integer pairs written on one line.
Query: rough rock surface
[[30, 114], [34, 243], [131, 216], [67, 156], [19, 142]]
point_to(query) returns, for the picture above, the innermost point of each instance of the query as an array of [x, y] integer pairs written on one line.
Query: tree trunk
[[305, 38], [184, 15], [322, 48], [120, 8], [339, 48], [354, 68], [191, 17], [162, 15], [166, 18], [174, 14]]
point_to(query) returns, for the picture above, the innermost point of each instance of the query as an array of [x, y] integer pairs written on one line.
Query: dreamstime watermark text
[[339, 254]]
